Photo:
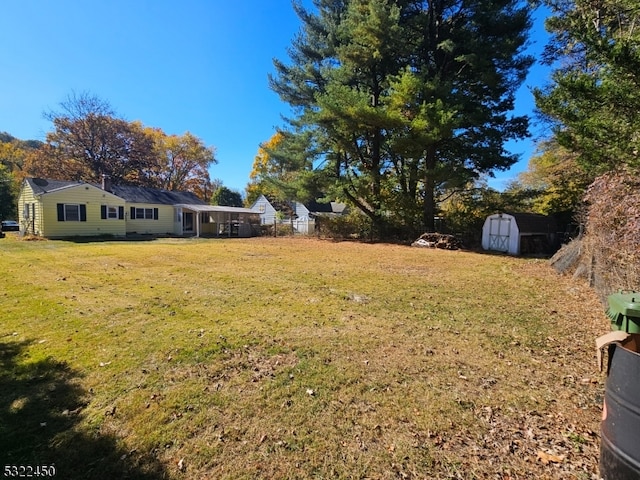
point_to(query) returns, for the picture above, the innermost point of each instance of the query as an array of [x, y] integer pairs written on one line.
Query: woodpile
[[438, 240]]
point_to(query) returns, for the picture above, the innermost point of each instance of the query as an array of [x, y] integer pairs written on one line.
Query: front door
[[187, 221]]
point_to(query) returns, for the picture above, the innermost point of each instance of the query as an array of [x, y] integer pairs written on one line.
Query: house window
[[72, 212], [144, 213], [110, 212], [205, 217]]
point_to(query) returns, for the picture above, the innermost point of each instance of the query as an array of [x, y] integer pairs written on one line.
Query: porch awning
[[215, 208], [226, 211]]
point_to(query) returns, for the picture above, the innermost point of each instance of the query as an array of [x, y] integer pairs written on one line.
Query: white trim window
[[72, 212], [139, 213], [111, 212]]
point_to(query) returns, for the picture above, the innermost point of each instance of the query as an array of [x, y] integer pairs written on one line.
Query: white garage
[[519, 233]]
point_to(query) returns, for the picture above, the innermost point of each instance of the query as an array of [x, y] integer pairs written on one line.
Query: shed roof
[[534, 223]]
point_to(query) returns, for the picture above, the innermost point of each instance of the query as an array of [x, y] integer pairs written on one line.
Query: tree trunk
[[376, 219], [429, 190]]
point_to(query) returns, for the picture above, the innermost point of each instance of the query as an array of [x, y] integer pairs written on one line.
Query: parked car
[[10, 226]]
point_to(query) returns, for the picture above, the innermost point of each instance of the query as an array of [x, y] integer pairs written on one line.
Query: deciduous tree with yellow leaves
[[283, 169], [182, 163]]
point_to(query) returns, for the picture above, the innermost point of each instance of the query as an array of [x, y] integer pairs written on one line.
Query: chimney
[[106, 183]]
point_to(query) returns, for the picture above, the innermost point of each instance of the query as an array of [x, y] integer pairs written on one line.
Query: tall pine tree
[[406, 98], [594, 98]]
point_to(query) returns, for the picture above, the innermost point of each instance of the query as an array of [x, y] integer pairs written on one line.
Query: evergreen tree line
[[396, 104], [402, 109]]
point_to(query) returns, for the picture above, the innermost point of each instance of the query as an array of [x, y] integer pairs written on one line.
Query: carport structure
[[216, 220]]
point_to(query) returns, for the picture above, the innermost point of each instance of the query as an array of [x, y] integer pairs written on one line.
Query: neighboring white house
[[301, 216], [519, 233], [268, 213]]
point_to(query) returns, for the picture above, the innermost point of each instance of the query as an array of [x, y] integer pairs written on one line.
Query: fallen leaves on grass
[[548, 458]]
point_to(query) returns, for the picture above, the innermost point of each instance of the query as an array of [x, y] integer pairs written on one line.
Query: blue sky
[[195, 65]]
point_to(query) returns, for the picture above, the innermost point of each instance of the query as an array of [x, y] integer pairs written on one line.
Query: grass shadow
[[41, 408], [112, 238]]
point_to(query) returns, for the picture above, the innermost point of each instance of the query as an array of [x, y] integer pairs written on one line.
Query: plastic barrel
[[620, 428]]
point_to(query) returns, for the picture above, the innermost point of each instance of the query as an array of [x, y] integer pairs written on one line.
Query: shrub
[[612, 237], [283, 229], [354, 225]]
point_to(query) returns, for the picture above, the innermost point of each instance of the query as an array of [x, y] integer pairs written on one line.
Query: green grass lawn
[[294, 358]]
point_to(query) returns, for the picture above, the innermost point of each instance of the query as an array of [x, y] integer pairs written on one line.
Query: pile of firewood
[[438, 240]]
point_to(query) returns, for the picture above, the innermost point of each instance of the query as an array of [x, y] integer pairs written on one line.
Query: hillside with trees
[[13, 155]]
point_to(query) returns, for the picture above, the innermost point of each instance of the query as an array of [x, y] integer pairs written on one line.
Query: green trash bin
[[624, 311], [620, 427]]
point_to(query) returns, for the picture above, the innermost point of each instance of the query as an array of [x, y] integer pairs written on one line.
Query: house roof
[[41, 186], [280, 205], [313, 206], [324, 208], [153, 195], [130, 194]]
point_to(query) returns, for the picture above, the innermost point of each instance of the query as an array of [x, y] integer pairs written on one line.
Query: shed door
[[499, 232]]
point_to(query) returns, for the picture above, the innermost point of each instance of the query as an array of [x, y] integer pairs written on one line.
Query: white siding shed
[[519, 233]]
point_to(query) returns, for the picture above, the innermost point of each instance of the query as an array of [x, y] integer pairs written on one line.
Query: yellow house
[[151, 211], [56, 209], [59, 209]]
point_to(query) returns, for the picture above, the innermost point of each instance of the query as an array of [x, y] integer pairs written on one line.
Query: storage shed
[[519, 233]]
